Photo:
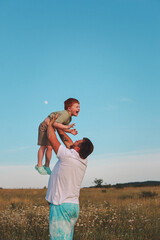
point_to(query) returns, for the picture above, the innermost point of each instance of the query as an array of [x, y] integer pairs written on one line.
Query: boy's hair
[[69, 102], [86, 148]]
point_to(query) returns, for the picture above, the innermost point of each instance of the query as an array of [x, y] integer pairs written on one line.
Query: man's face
[[76, 143], [75, 108]]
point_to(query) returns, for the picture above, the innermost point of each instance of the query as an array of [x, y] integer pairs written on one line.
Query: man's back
[[66, 177]]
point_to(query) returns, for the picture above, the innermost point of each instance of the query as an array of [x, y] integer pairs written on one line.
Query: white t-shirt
[[66, 177]]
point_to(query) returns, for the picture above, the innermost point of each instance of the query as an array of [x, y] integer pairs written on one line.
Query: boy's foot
[[41, 170], [47, 169]]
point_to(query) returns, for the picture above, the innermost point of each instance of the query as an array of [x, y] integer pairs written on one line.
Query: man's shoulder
[[62, 151], [66, 152]]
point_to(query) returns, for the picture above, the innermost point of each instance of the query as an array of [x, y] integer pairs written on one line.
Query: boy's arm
[[72, 131], [62, 126], [52, 136], [65, 138], [65, 128]]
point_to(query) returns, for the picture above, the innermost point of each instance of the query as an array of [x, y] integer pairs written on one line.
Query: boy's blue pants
[[62, 219]]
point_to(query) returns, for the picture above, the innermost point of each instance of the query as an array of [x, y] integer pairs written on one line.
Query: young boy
[[72, 108]]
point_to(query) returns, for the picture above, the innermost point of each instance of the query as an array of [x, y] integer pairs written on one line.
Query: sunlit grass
[[117, 214]]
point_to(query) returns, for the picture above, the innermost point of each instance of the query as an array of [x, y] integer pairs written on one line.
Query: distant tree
[[118, 186], [98, 182], [107, 185]]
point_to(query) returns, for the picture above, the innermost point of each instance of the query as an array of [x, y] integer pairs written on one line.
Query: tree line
[[99, 184]]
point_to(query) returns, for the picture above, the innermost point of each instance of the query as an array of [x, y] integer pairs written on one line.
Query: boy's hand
[[71, 125], [74, 131]]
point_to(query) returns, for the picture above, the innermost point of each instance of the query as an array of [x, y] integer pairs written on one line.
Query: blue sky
[[106, 54]]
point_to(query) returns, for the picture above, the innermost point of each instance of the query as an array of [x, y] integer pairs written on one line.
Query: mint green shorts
[[62, 219]]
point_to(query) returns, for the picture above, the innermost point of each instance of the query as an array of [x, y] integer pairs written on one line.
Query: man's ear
[[77, 149]]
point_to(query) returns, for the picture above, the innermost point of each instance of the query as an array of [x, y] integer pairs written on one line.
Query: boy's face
[[74, 109]]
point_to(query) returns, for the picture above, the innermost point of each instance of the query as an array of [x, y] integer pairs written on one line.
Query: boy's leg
[[39, 167], [48, 156], [43, 142], [40, 155]]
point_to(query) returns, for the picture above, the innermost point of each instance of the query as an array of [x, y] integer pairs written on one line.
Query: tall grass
[[117, 214]]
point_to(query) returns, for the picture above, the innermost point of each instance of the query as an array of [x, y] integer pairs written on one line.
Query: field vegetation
[[105, 214]]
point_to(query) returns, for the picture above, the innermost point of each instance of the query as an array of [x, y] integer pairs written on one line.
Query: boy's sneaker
[[41, 170], [47, 169]]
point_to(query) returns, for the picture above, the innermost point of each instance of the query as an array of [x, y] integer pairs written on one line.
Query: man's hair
[[86, 148], [69, 102]]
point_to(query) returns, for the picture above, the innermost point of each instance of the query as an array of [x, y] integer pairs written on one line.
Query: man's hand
[[73, 131], [53, 119]]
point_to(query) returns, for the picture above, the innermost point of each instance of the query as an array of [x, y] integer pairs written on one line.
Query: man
[[65, 182]]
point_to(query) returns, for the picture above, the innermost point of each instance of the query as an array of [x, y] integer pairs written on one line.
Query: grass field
[[105, 214]]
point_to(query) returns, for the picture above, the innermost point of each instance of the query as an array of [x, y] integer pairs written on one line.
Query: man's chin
[[72, 146]]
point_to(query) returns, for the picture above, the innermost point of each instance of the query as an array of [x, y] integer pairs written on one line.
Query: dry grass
[[117, 214]]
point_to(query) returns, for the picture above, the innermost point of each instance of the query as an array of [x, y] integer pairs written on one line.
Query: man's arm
[[65, 138], [52, 136]]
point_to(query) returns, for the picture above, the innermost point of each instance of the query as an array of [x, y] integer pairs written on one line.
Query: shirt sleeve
[[63, 118], [61, 152]]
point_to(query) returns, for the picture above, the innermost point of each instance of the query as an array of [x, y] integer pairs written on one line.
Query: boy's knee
[[49, 148], [42, 148]]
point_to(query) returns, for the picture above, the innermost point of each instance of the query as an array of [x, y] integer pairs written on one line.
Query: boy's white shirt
[[66, 178]]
